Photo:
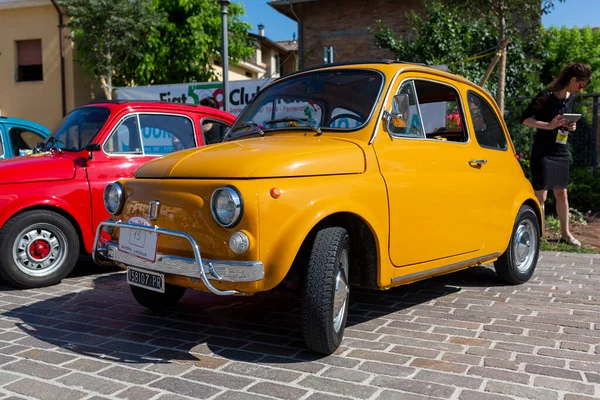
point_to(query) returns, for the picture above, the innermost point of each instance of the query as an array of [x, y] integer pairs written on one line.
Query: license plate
[[138, 242], [145, 279]]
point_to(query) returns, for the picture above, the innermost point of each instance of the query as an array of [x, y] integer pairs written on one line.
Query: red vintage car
[[51, 202]]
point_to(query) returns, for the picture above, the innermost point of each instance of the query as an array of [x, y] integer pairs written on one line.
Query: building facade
[[338, 30], [40, 80]]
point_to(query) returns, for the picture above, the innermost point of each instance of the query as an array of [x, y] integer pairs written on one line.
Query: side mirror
[[92, 147]]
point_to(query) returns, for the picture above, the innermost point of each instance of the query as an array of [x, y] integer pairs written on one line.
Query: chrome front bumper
[[205, 270]]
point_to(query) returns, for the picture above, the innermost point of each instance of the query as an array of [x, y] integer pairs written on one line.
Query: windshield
[[78, 129], [334, 100]]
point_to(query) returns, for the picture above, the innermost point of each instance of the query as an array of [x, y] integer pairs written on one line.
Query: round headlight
[[226, 206], [114, 198]]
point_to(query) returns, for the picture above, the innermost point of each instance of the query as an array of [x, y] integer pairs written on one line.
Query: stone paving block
[[449, 379], [394, 395], [551, 371], [472, 395], [494, 373], [137, 393], [218, 378], [240, 396], [50, 357], [44, 391], [389, 358], [521, 391], [287, 363], [345, 374], [91, 383], [438, 365], [337, 387], [185, 388], [169, 368], [563, 385], [414, 386], [35, 369], [7, 377], [129, 375], [86, 365], [258, 371], [415, 351], [500, 363], [278, 391]]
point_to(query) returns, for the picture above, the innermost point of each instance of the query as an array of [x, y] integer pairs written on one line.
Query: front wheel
[[518, 262], [325, 295], [39, 248], [155, 300]]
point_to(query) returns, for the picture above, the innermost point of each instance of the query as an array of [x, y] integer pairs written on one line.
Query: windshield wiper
[[248, 124], [293, 119]]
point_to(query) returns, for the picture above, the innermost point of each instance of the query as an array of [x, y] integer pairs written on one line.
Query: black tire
[[322, 326], [39, 248], [155, 300], [518, 262]]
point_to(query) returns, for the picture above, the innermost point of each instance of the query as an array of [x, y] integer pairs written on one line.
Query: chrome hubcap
[[39, 250], [524, 245], [340, 298]]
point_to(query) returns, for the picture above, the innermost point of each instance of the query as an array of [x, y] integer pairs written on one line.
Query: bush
[[584, 190]]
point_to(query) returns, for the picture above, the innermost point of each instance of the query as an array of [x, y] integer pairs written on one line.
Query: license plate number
[[145, 279]]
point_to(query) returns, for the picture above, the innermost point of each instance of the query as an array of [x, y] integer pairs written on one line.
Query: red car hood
[[36, 168]]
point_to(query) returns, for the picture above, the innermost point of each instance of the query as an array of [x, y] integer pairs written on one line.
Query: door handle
[[477, 163]]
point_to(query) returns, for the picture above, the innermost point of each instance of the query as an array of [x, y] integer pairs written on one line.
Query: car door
[[500, 169], [432, 175], [134, 140]]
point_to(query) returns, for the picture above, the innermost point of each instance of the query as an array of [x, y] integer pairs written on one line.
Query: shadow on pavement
[[98, 317]]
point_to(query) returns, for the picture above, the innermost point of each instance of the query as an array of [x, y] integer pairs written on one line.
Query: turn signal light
[[275, 193]]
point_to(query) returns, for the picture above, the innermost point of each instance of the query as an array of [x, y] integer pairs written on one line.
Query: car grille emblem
[[153, 209]]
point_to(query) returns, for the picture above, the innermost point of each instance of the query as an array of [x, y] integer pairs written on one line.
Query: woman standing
[[549, 154]]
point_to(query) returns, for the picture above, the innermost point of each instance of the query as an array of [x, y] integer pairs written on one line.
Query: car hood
[[265, 157], [36, 168]]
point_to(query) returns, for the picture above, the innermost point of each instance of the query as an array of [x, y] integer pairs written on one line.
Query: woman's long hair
[[580, 71]]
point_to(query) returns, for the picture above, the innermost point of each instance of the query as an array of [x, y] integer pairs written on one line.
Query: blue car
[[19, 136]]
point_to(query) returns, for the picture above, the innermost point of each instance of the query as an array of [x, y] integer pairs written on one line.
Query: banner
[[240, 93]]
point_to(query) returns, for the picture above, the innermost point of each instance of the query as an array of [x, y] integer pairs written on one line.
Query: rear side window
[[163, 134], [488, 130]]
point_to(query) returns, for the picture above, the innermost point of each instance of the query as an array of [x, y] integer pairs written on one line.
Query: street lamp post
[[225, 53]]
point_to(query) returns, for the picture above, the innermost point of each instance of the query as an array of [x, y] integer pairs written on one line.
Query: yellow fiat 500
[[364, 174]]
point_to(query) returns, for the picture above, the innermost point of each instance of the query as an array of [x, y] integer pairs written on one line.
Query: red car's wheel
[[41, 248]]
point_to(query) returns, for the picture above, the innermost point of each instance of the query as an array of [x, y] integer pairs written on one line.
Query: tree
[[187, 43], [505, 15], [107, 34], [564, 45], [445, 36]]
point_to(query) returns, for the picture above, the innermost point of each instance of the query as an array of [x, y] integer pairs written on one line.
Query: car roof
[[12, 120], [162, 105]]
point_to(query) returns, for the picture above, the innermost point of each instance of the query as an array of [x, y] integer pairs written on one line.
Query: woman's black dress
[[549, 157]]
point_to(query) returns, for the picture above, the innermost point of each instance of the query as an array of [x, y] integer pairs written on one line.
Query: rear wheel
[[39, 248], [325, 295], [155, 300], [518, 262]]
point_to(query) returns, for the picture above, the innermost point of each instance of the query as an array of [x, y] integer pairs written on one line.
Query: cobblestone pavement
[[462, 336]]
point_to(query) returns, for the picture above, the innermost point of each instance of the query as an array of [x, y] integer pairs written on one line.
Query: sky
[[279, 27]]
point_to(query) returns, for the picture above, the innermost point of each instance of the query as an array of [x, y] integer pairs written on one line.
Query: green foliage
[[565, 45], [584, 190], [187, 42], [448, 37], [107, 33]]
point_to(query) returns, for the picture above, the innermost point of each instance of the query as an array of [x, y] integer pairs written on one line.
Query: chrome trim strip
[[203, 268], [446, 268]]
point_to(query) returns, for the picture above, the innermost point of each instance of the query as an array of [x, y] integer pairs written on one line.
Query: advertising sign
[[240, 93]]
